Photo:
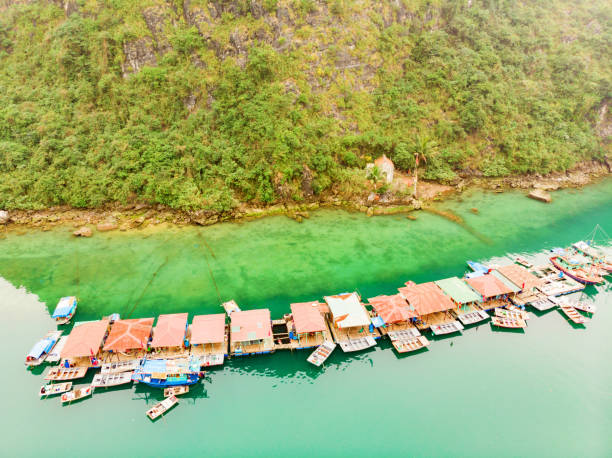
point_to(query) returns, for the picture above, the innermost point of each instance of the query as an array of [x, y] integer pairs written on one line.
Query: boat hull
[[164, 383], [580, 279]]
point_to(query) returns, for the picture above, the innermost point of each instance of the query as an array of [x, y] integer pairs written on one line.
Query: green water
[[544, 392]]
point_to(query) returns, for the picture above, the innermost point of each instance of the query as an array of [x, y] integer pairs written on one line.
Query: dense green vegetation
[[206, 104]]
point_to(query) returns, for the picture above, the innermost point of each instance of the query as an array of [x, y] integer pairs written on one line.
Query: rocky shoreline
[[85, 222]]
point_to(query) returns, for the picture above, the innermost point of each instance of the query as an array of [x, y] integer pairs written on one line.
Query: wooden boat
[[577, 273], [512, 314], [77, 394], [176, 390], [54, 354], [323, 351], [595, 254], [106, 380], [523, 262], [411, 344], [60, 373], [508, 322], [584, 307], [41, 349], [572, 314], [230, 307], [446, 328], [357, 344], [543, 304], [164, 373], [65, 310], [403, 334], [473, 317], [210, 360], [162, 407], [120, 366], [54, 388]]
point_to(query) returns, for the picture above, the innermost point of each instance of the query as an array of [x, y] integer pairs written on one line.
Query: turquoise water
[[543, 392]]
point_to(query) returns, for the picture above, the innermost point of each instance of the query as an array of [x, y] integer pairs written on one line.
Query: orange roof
[[208, 329], [307, 317], [129, 334], [489, 286], [85, 339], [520, 276], [250, 325], [426, 298], [170, 330], [383, 160], [392, 309]]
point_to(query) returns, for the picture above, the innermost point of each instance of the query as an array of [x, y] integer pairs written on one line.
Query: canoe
[[508, 322], [162, 407], [583, 306], [66, 374], [577, 273], [572, 314], [77, 394], [106, 380], [511, 314], [121, 366], [42, 348], [411, 344], [54, 388], [176, 390], [320, 355]]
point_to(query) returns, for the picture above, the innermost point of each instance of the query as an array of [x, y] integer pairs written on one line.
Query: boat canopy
[[458, 290], [307, 317], [247, 325], [165, 366], [208, 329], [506, 281], [520, 276], [170, 330], [85, 339], [347, 310], [41, 347], [477, 267], [392, 309], [65, 307], [489, 286], [129, 334], [426, 298]]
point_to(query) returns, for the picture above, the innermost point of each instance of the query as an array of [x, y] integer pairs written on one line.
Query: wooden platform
[[492, 304], [437, 318], [210, 360], [118, 367]]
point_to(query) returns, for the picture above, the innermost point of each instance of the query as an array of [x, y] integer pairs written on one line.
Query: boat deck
[[410, 344], [492, 304], [320, 355], [446, 328], [211, 360], [106, 380], [357, 344], [220, 348], [252, 349], [438, 318]]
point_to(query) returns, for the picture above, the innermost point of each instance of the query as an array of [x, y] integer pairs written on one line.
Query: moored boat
[[176, 390], [41, 349], [508, 322], [320, 355], [584, 307], [163, 373], [446, 328], [120, 366], [523, 262], [512, 314], [106, 380], [410, 344], [572, 314], [577, 273], [162, 407], [77, 394], [65, 310], [358, 344], [595, 254], [54, 388], [60, 373]]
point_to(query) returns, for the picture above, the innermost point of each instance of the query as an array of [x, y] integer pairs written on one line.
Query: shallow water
[[543, 392]]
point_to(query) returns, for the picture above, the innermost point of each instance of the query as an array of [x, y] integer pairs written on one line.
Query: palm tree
[[424, 146]]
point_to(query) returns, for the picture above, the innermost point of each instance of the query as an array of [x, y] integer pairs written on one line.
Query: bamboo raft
[[176, 390], [106, 380], [162, 407], [357, 344], [473, 317], [60, 374], [446, 328], [572, 314], [320, 355], [121, 366], [77, 394], [508, 322], [54, 388]]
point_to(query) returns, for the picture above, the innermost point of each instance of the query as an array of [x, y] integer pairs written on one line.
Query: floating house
[[83, 344], [494, 291], [394, 311], [432, 306], [251, 332], [128, 339], [208, 338], [169, 335], [526, 281], [350, 322], [306, 324], [465, 298]]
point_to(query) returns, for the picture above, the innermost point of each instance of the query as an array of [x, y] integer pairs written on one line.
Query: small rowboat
[[176, 390], [42, 348], [411, 344], [121, 366], [65, 310], [162, 407], [446, 328], [508, 322], [66, 374], [583, 306], [512, 314], [77, 394], [53, 389], [523, 262], [106, 380], [572, 314], [320, 355]]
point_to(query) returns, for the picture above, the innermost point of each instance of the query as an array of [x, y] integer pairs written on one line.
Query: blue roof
[[477, 267], [65, 307], [41, 347], [378, 321]]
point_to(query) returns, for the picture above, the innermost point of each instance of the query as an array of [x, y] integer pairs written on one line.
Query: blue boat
[[65, 310], [164, 373], [477, 267], [41, 349]]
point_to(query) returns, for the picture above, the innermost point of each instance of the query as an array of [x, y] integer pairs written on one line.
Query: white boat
[[565, 302], [54, 354], [446, 328], [523, 262], [473, 317], [60, 373], [120, 366], [512, 314], [543, 304], [41, 349], [162, 407], [408, 333], [322, 352], [508, 322], [176, 390], [77, 394], [106, 380], [357, 344], [572, 314], [65, 310], [210, 360], [583, 306], [410, 344], [54, 388]]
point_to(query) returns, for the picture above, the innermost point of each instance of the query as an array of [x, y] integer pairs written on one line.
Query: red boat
[[578, 272]]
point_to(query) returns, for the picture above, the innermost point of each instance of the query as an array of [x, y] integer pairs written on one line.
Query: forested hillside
[[206, 104]]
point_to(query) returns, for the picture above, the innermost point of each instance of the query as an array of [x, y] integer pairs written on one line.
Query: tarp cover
[[426, 298], [458, 290], [41, 347], [129, 334], [208, 329], [489, 286], [392, 309], [85, 339], [65, 307], [251, 325], [307, 317], [347, 310], [521, 277], [170, 330]]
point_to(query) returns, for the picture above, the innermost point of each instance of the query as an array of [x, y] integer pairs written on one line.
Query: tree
[[424, 146]]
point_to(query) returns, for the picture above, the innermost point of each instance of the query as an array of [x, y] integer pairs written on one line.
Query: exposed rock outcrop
[[138, 53], [83, 232]]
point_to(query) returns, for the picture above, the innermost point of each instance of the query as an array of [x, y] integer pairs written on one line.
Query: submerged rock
[[108, 226], [541, 195], [83, 232]]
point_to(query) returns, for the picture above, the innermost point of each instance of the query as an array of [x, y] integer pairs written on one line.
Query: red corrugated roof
[[170, 330], [208, 329], [392, 309], [520, 276], [307, 317], [250, 325], [489, 286], [129, 334], [426, 298], [85, 339]]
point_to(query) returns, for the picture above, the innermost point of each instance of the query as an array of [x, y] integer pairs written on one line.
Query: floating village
[[172, 355]]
